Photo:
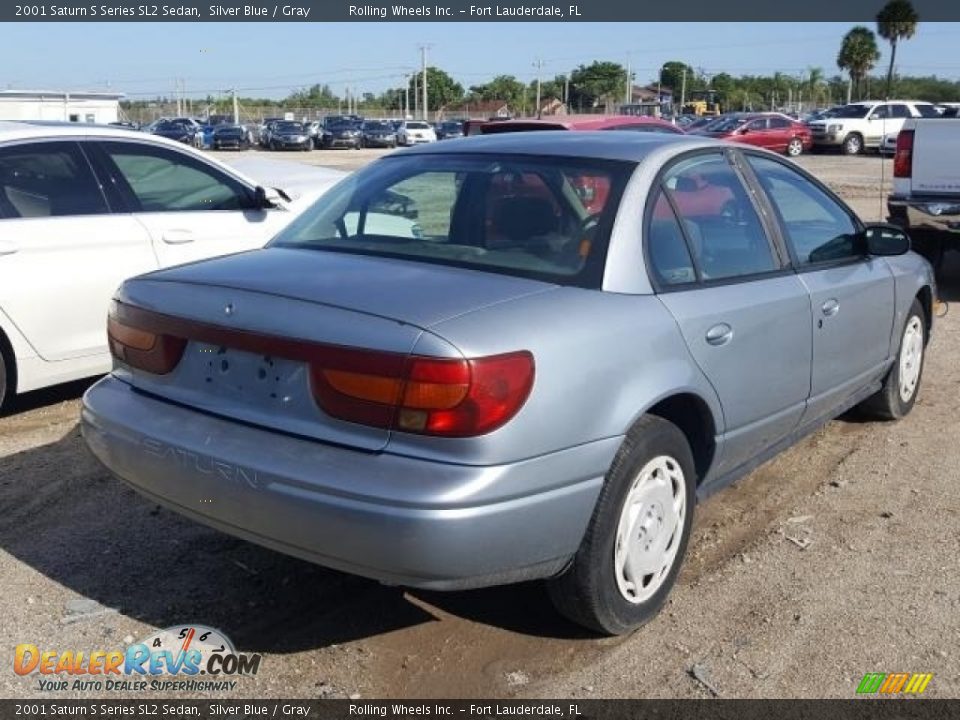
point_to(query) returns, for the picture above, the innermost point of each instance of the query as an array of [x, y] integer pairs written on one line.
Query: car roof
[[28, 129], [606, 145]]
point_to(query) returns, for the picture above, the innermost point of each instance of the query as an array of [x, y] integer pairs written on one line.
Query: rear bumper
[[396, 519], [939, 214]]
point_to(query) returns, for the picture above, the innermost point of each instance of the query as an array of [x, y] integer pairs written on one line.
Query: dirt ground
[[836, 559]]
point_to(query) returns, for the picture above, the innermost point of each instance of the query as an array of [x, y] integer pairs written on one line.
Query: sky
[[273, 59]]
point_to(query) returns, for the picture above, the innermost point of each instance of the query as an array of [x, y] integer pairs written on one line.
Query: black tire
[[588, 592], [3, 382], [853, 144], [890, 402], [929, 244]]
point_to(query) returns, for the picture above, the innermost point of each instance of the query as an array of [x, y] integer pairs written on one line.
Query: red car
[[772, 131], [634, 123]]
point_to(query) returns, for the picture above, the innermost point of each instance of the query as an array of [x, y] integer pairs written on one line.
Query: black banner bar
[[464, 11], [856, 709]]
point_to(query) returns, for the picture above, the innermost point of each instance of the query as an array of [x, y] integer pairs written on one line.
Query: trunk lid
[[266, 298]]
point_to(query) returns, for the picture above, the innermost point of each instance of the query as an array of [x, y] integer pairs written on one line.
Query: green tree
[[896, 21], [441, 88], [858, 54], [600, 83], [502, 87], [671, 76]]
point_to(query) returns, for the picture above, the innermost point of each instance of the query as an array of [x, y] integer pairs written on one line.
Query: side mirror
[[886, 240], [743, 131], [260, 199]]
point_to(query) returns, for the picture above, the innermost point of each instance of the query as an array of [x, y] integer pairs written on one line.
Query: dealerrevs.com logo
[[188, 658]]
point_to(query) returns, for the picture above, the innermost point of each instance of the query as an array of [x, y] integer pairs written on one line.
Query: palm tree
[[815, 79], [858, 54], [896, 21]]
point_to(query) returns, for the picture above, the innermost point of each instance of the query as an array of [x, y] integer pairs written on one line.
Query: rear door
[[781, 132], [192, 210], [744, 316], [852, 294], [62, 252]]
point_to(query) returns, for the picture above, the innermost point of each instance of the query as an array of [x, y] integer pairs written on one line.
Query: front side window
[[721, 227], [545, 218], [47, 180], [818, 228], [162, 180]]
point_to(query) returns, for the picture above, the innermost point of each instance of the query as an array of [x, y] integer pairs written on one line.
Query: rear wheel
[[853, 144], [902, 384], [635, 542], [795, 147]]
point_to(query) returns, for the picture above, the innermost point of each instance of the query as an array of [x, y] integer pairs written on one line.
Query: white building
[[84, 107]]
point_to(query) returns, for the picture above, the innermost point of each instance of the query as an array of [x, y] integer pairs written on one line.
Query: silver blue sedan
[[512, 357]]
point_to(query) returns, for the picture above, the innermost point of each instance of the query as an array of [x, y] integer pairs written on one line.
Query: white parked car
[[863, 125], [83, 208], [414, 132]]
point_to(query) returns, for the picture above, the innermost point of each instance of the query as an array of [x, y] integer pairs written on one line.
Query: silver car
[[511, 357]]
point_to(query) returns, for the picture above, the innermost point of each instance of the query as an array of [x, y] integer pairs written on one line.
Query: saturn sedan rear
[[511, 357]]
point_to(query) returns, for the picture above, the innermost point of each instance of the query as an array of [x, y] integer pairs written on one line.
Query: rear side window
[[50, 179], [818, 228], [666, 246], [163, 180], [927, 111], [717, 218], [779, 123], [899, 111]]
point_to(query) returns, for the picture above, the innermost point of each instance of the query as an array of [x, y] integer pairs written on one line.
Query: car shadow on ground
[[69, 520], [45, 397]]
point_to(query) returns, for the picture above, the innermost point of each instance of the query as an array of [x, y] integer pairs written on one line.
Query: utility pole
[[423, 66], [628, 92], [236, 107], [683, 89], [566, 91], [416, 95], [406, 96], [538, 64]]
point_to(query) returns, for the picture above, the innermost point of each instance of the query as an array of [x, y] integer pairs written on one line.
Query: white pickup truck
[[926, 185]]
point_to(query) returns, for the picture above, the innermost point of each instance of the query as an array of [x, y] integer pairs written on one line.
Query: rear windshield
[[538, 217], [417, 126]]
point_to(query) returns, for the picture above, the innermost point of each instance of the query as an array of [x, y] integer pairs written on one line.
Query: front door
[[191, 209], [851, 294]]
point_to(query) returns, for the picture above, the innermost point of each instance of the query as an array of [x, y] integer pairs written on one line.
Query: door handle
[[720, 334], [830, 308], [177, 237], [8, 248]]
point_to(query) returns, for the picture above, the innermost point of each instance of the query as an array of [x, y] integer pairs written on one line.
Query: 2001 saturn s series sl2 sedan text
[[449, 372]]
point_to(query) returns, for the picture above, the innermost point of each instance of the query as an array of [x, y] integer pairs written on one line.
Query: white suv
[[862, 125]]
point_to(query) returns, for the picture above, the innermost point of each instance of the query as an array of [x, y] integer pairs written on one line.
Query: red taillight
[[424, 395], [903, 160], [135, 345]]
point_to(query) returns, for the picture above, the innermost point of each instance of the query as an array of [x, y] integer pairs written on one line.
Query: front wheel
[[853, 144], [634, 545], [902, 383], [795, 147]]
